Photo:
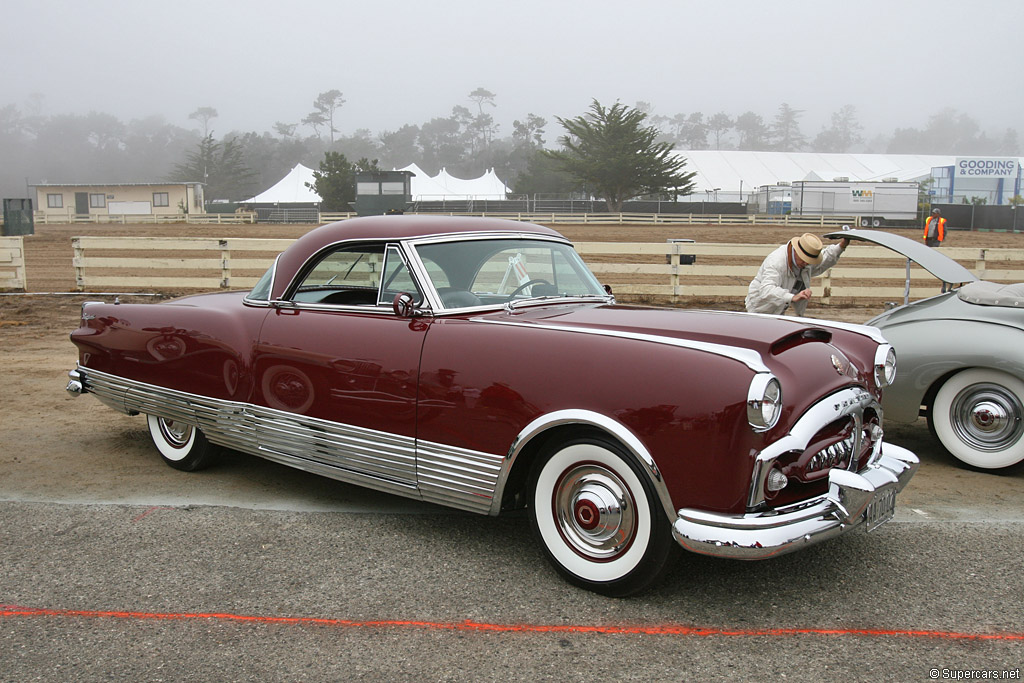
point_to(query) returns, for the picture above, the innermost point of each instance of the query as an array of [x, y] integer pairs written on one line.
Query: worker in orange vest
[[935, 229]]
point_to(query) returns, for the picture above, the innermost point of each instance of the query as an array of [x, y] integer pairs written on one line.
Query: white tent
[[445, 186], [731, 172], [423, 187], [292, 188], [289, 190]]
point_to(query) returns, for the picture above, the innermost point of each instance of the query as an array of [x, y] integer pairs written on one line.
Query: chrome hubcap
[[176, 433], [595, 512], [987, 417]]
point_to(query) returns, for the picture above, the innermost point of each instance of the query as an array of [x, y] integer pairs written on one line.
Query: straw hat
[[808, 248]]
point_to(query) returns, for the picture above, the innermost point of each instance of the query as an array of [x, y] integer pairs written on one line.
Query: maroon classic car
[[477, 363]]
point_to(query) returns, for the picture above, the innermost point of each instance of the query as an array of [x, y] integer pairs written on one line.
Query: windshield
[[485, 272]]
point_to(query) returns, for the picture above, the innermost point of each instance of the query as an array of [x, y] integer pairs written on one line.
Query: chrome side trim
[[751, 359], [868, 331], [434, 472], [585, 417], [458, 477]]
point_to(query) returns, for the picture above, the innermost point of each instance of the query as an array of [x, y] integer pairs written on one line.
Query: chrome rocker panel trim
[[846, 506], [401, 465]]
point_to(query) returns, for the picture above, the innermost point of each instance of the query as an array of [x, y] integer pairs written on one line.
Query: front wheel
[[181, 445], [598, 518], [978, 416]]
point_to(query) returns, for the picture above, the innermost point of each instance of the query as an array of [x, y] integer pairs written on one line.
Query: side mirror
[[404, 305]]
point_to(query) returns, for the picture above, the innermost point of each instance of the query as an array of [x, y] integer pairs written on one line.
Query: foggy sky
[[407, 61]]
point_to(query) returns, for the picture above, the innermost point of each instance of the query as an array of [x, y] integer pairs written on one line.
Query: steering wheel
[[536, 281]]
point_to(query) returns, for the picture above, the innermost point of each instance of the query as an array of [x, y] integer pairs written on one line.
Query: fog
[[399, 62]]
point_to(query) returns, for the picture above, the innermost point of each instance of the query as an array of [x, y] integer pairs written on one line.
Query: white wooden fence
[[863, 273], [42, 218], [636, 270], [12, 263]]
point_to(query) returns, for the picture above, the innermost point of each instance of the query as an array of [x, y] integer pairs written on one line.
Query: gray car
[[960, 356]]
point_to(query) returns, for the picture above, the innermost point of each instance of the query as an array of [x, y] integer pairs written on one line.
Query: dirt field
[[60, 448]]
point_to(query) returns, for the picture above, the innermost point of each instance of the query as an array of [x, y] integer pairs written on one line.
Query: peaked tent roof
[[292, 188], [289, 190], [447, 187], [726, 170], [422, 186]]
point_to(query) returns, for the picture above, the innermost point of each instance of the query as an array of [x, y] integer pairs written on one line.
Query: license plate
[[880, 510]]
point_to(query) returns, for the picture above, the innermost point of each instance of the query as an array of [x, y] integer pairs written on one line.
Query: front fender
[[927, 351]]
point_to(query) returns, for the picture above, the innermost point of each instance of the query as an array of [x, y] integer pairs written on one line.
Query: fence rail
[[42, 218], [12, 263], [663, 271], [533, 217]]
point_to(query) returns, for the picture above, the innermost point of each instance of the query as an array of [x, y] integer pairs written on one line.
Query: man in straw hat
[[784, 278]]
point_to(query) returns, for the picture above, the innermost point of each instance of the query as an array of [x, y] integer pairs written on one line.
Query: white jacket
[[771, 289]]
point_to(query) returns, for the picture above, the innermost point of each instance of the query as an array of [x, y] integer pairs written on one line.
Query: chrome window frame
[[438, 307]]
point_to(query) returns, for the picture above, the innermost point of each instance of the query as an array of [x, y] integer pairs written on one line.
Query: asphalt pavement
[[184, 592]]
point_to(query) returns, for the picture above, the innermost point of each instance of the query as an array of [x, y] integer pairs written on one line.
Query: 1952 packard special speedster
[[477, 363]]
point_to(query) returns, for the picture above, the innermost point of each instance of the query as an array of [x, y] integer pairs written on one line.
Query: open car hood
[[936, 263]]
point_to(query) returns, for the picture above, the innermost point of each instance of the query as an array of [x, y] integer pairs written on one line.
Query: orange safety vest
[[941, 232]]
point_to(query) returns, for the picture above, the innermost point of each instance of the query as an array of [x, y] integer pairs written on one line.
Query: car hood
[[757, 336], [935, 262]]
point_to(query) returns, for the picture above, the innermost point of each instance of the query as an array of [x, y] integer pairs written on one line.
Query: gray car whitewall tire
[[181, 445], [978, 415], [598, 519]]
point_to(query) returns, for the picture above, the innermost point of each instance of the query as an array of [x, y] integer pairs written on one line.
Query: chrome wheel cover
[[595, 511], [175, 432], [987, 417]]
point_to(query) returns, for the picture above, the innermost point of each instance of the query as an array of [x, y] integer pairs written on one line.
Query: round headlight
[[764, 402], [885, 366]]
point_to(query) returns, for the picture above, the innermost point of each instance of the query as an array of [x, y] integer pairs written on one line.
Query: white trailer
[[872, 203]]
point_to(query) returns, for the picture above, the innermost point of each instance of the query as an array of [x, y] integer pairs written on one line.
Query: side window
[[396, 279], [348, 276]]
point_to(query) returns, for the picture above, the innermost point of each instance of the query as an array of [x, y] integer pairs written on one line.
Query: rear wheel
[[181, 445], [978, 415], [598, 518]]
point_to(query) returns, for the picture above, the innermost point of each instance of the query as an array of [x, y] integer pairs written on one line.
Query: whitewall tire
[[598, 518], [181, 445], [978, 415]]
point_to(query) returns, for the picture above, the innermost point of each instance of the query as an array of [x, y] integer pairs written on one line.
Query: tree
[[695, 131], [718, 125], [204, 115], [530, 132], [325, 106], [221, 167], [611, 152], [335, 182], [442, 143], [752, 131], [398, 148], [543, 175], [842, 134], [482, 96], [785, 131], [285, 130]]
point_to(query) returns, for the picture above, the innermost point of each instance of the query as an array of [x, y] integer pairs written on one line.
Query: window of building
[[161, 199], [55, 201], [97, 201]]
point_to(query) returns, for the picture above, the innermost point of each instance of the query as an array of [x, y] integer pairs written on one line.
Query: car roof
[[935, 262], [391, 228]]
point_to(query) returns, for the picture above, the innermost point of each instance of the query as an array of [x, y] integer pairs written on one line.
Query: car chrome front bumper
[[853, 500]]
